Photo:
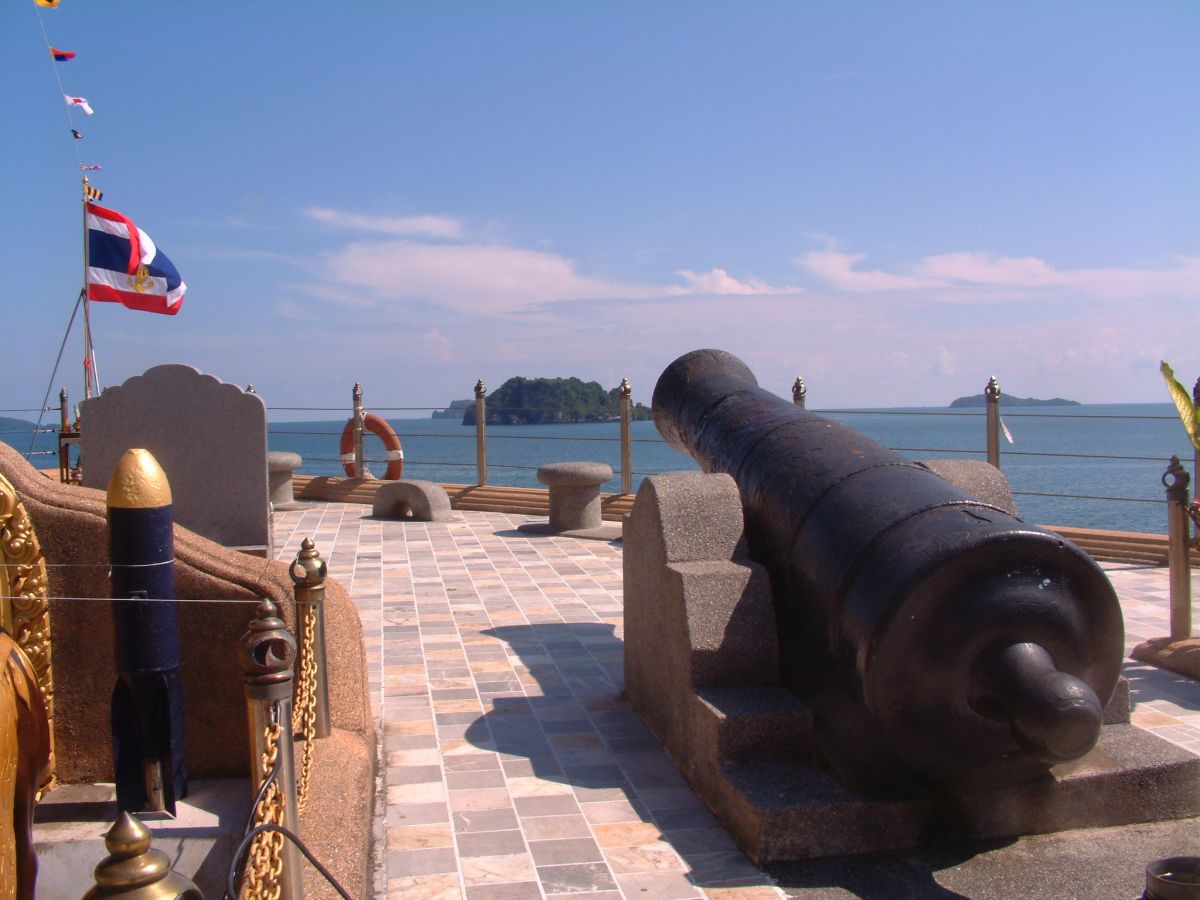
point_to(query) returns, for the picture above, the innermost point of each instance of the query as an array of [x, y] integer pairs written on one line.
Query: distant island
[[543, 401], [455, 410], [1006, 400]]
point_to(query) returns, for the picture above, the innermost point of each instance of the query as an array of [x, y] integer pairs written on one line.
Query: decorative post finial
[[480, 388], [309, 569], [625, 389], [134, 870], [799, 391], [268, 648], [992, 391], [250, 389]]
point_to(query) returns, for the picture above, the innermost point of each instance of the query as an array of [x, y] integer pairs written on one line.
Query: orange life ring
[[391, 443]]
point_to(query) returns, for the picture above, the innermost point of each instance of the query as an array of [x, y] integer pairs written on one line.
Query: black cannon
[[926, 628]]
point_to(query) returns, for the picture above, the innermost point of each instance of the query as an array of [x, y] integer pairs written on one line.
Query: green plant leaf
[[1188, 414]]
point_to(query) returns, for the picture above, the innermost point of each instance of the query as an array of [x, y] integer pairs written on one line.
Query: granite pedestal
[[575, 500], [280, 466]]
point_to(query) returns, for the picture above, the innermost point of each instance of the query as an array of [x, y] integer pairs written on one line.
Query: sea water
[[1059, 459]]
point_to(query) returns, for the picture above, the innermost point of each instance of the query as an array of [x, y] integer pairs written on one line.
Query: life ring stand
[[391, 443]]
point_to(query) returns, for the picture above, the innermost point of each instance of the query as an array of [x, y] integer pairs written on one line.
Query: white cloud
[[837, 268], [475, 278], [407, 226], [717, 281], [437, 345], [985, 275]]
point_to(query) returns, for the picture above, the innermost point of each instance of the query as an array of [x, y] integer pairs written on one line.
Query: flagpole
[[88, 362]]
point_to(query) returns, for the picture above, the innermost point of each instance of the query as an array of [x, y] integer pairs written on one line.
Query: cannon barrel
[[981, 649]]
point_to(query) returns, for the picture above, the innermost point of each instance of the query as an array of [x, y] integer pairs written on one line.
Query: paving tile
[[421, 862], [577, 878], [659, 885], [419, 837], [565, 850], [497, 869], [520, 890], [555, 805], [416, 813], [485, 820], [490, 843], [425, 887]]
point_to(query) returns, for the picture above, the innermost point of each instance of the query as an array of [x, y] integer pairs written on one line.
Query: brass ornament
[[24, 606], [135, 871]]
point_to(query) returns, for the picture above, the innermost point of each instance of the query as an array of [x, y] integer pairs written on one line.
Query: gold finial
[[138, 482], [309, 569], [992, 391], [625, 388], [134, 871], [480, 388]]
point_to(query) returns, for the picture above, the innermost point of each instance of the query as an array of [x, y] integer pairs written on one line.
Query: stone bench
[[422, 501], [574, 493], [280, 466]]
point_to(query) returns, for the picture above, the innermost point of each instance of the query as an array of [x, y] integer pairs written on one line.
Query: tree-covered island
[[543, 401], [979, 400]]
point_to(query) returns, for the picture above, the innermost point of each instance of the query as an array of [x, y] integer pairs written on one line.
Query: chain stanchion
[[312, 691], [991, 394], [480, 432], [134, 871], [1196, 460], [625, 392], [1179, 575], [357, 396], [268, 655], [799, 392]]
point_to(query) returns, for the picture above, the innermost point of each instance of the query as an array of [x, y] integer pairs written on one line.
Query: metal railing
[[510, 454]]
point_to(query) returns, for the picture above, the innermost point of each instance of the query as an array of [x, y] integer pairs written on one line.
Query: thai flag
[[81, 102], [124, 265]]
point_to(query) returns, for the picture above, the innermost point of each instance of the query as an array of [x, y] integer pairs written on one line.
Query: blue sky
[[893, 200]]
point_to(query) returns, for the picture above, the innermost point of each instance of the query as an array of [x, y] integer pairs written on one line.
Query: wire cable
[[54, 371]]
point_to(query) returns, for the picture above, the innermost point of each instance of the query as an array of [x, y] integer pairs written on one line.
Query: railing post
[[308, 579], [64, 449], [1196, 453], [268, 656], [1175, 480], [359, 469], [799, 392], [991, 394], [625, 392], [134, 871], [480, 432]]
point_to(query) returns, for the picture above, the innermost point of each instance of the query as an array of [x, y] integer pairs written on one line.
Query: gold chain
[[263, 875], [306, 701]]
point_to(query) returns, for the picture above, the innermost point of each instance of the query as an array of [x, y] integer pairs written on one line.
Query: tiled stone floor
[[511, 766]]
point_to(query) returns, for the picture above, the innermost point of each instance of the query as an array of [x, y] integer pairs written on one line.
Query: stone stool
[[421, 501], [280, 466], [574, 493]]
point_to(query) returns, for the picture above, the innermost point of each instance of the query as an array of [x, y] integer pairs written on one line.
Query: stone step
[[761, 722]]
